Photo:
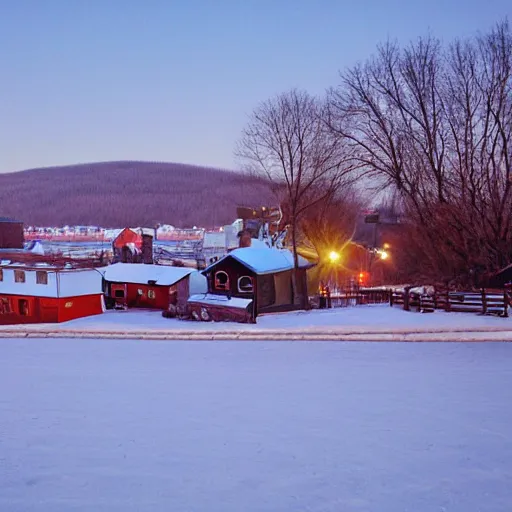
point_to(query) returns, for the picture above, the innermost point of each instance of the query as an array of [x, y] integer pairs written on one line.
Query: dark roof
[[7, 219]]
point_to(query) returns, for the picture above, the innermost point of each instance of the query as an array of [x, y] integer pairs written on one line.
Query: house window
[[5, 306], [23, 307], [151, 294], [19, 276], [41, 277], [1, 275], [221, 280], [118, 294], [245, 284]]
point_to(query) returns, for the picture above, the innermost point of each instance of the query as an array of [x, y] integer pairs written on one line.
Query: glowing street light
[[383, 255], [334, 256]]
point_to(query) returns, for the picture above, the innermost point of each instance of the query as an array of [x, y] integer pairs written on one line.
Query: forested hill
[[116, 194]]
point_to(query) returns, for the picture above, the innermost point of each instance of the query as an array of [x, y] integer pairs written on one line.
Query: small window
[[221, 280], [5, 306], [245, 284], [140, 292], [1, 274], [119, 294], [41, 277], [23, 306], [19, 276], [151, 294]]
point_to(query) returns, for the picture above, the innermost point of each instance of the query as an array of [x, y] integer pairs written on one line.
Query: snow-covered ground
[[376, 318], [110, 425]]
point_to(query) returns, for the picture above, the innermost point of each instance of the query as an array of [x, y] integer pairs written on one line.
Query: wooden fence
[[485, 302], [353, 298]]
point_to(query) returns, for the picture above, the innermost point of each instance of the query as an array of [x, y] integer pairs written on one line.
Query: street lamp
[[384, 255], [334, 256]]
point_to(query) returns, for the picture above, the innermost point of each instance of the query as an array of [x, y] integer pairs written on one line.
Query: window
[[1, 275], [221, 280], [245, 284], [23, 305], [151, 294], [119, 294], [19, 276], [5, 306], [41, 277]]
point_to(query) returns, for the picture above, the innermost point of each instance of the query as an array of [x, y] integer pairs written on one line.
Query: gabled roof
[[264, 260], [140, 273]]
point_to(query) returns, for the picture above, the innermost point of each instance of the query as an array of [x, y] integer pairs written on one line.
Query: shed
[[41, 292], [262, 274], [11, 233], [149, 286]]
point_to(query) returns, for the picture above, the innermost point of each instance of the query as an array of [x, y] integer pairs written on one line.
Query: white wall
[[73, 283], [30, 286]]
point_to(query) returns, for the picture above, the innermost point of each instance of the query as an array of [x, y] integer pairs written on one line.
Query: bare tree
[[436, 124], [287, 141]]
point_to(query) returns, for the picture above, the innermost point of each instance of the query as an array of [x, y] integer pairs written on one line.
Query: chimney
[[147, 249], [244, 238]]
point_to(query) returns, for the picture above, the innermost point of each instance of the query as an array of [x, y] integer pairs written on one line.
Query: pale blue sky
[[174, 80]]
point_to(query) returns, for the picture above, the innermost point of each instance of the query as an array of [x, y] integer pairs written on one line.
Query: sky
[[175, 80]]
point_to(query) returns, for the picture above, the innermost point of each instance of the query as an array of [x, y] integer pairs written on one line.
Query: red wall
[[50, 310], [134, 300], [77, 307]]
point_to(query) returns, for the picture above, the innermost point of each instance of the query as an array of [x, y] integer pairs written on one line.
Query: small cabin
[[261, 275], [135, 285], [45, 293]]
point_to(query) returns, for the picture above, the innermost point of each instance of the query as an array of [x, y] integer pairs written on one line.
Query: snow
[[125, 426], [163, 275], [265, 260], [356, 320], [220, 300]]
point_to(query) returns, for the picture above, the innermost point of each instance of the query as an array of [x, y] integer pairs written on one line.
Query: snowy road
[[97, 425]]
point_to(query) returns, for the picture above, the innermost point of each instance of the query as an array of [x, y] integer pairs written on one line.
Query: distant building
[[11, 233]]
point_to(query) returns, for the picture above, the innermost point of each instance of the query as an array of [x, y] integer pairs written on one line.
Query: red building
[[135, 285], [134, 245], [44, 293]]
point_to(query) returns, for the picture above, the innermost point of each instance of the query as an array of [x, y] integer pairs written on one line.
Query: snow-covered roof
[[220, 300], [264, 260], [140, 273]]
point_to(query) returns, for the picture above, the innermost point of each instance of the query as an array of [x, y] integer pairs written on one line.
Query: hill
[[115, 194]]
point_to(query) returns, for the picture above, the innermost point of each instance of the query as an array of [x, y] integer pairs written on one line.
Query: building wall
[[234, 269], [62, 283], [25, 309], [30, 287], [79, 282], [134, 299], [70, 308], [11, 235]]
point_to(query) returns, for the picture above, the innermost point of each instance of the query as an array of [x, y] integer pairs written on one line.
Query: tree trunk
[[297, 295]]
